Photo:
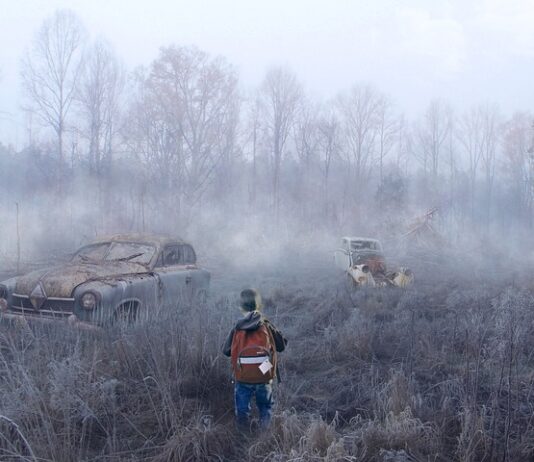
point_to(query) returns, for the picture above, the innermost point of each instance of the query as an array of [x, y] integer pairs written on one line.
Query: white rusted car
[[122, 277], [363, 260]]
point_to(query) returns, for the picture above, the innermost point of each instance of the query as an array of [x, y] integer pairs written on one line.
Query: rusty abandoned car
[[118, 278], [363, 261]]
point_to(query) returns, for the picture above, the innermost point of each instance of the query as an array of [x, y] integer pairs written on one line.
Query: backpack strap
[[273, 344]]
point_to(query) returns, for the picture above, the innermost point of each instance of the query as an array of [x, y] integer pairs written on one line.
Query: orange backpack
[[251, 349]]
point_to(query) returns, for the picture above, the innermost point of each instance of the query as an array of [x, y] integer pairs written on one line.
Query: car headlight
[[89, 301], [3, 298]]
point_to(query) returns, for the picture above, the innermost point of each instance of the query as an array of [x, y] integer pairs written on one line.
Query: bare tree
[[98, 102], [456, 208], [186, 117], [281, 93], [359, 111], [153, 140], [306, 142], [470, 136], [431, 136], [50, 73], [491, 125], [478, 135], [404, 145], [254, 132], [99, 94], [518, 152], [329, 147], [388, 128]]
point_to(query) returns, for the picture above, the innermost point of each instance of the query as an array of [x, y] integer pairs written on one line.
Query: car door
[[175, 280], [342, 256], [199, 278]]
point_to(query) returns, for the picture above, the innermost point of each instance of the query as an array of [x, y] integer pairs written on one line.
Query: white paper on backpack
[[265, 366]]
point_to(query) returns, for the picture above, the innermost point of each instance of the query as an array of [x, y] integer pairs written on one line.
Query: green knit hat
[[250, 300]]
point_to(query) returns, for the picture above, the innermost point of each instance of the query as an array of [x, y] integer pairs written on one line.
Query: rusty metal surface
[[60, 281], [157, 240], [366, 266], [53, 294]]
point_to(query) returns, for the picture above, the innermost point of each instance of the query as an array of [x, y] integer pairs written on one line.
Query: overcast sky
[[463, 51]]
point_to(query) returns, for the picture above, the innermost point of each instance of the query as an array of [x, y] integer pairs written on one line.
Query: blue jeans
[[264, 400]]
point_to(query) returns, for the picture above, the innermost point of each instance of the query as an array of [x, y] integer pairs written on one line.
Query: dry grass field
[[443, 371]]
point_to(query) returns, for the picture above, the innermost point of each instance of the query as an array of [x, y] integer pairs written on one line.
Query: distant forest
[[180, 146]]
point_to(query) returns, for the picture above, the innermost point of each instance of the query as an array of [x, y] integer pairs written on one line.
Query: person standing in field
[[253, 345]]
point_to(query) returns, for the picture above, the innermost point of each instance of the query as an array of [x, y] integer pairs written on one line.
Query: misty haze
[[350, 183]]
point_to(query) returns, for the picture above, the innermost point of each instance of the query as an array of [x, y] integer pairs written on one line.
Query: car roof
[[354, 238], [158, 240]]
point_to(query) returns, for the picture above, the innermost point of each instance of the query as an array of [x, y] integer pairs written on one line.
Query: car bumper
[[25, 320]]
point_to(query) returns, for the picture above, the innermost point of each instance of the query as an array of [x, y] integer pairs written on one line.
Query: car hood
[[60, 281]]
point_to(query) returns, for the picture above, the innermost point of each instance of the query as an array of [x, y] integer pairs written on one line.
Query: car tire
[[126, 314], [350, 284], [202, 297]]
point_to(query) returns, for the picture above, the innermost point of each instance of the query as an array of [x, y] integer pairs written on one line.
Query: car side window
[[172, 255], [188, 255]]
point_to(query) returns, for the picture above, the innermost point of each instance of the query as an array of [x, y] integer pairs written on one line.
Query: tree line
[[181, 140]]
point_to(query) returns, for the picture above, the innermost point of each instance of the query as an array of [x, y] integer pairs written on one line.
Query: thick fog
[[251, 154], [263, 135]]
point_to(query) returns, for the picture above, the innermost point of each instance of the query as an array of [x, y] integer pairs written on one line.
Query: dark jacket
[[252, 321]]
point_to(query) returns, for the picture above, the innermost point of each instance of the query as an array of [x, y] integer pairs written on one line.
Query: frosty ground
[[442, 371]]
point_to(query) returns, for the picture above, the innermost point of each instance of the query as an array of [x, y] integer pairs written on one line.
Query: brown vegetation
[[439, 372]]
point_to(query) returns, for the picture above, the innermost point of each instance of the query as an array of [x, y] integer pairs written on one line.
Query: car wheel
[[126, 313], [350, 283], [201, 297]]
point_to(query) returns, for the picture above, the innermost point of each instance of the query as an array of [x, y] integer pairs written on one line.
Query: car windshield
[[116, 251], [128, 251], [364, 245], [94, 252]]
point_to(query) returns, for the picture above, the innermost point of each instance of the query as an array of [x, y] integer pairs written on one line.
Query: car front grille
[[53, 307]]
